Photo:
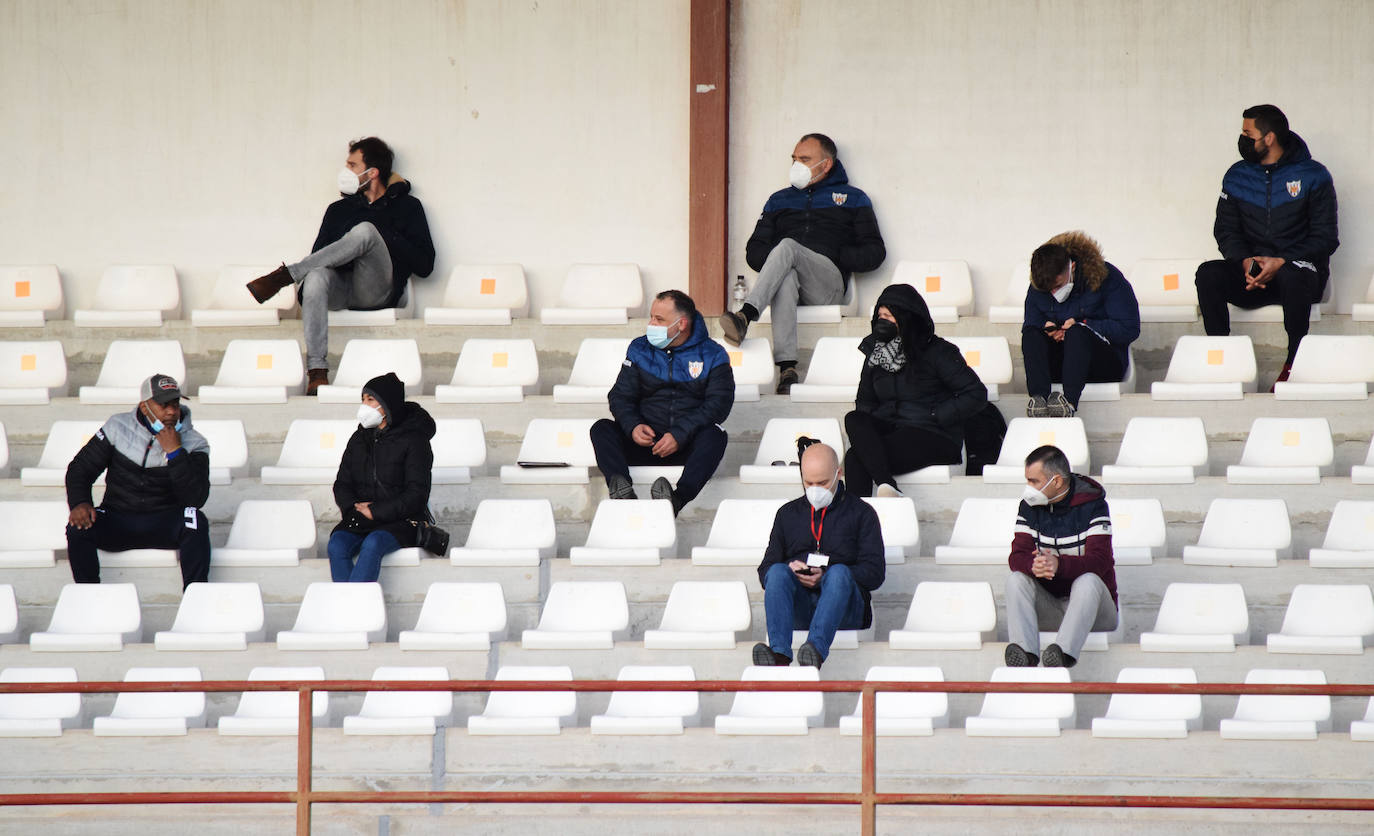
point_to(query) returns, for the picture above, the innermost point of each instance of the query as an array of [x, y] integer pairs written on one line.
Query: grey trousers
[[354, 271], [1089, 608], [794, 275]]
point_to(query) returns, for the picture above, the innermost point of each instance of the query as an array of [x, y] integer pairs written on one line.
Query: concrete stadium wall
[[555, 131]]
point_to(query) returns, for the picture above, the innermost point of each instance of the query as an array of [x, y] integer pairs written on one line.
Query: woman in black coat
[[383, 481], [915, 393]]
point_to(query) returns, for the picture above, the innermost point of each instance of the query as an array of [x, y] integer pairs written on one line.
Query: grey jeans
[[354, 271], [1089, 608], [794, 275]]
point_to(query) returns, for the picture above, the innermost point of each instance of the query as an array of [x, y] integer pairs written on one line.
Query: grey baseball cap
[[160, 388]]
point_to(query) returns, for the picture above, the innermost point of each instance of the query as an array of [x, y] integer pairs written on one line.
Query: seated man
[[824, 559], [674, 391], [1062, 573], [808, 241], [157, 477], [370, 242], [1081, 318]]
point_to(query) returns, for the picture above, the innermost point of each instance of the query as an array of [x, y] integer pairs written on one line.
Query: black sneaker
[[809, 657], [733, 327], [1017, 657], [1036, 407], [621, 487], [786, 378], [663, 489], [1058, 406], [1055, 657], [766, 658]]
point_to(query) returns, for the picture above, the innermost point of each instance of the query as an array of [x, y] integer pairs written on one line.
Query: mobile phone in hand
[[1255, 268], [1050, 329]]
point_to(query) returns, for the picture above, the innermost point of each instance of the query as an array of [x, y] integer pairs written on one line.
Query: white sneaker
[[888, 491]]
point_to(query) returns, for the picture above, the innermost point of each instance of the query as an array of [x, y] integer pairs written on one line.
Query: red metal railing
[[867, 798]]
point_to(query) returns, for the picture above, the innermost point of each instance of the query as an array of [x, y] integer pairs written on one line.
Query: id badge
[[816, 559]]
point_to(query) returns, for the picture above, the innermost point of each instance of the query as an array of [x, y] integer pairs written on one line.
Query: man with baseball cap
[[157, 478]]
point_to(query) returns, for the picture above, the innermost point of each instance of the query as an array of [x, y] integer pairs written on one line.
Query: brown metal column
[[709, 152]]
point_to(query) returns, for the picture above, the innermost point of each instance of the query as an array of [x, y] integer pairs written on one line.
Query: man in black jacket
[[157, 477], [674, 391], [370, 243], [824, 559], [807, 242], [1276, 228]]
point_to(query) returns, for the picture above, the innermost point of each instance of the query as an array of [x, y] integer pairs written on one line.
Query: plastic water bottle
[[739, 294]]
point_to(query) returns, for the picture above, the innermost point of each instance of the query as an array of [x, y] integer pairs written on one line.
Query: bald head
[[820, 464]]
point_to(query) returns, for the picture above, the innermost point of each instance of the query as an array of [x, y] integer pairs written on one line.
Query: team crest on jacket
[[695, 368], [1294, 186], [840, 198]]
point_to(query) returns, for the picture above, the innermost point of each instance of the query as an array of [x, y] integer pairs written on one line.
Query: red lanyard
[[816, 532]]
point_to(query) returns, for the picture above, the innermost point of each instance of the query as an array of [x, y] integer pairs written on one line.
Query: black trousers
[[616, 452], [1080, 359], [118, 531], [1220, 283], [878, 449]]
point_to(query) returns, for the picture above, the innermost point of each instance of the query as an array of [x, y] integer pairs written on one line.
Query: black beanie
[[390, 392]]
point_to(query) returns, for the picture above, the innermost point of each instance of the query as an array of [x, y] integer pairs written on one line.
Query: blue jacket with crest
[[676, 390]]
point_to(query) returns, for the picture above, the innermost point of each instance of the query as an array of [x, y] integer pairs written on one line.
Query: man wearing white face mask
[[1062, 572], [370, 243], [823, 562], [809, 239], [674, 391]]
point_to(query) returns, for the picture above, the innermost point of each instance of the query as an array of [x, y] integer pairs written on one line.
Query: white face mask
[[1034, 496], [369, 416], [799, 175], [821, 496], [1063, 292], [350, 183]]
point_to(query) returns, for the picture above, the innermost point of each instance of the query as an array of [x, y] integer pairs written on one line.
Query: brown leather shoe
[[265, 287], [315, 379]]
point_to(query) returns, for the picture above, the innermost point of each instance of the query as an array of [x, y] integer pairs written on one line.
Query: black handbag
[[431, 537]]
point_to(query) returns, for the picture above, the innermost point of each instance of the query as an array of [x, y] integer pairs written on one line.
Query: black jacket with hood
[[935, 390], [399, 218], [388, 467]]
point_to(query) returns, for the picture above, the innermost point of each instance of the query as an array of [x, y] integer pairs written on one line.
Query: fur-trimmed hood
[[1087, 255]]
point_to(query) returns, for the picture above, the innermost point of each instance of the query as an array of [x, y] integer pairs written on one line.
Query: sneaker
[[620, 487], [765, 657], [786, 378], [663, 489], [809, 657], [1283, 376], [1016, 657], [316, 379], [733, 327], [1055, 657], [1058, 406], [1037, 408], [887, 491]]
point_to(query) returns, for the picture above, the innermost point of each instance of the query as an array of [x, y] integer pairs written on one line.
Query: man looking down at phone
[[157, 477], [1081, 317], [823, 561], [1062, 573]]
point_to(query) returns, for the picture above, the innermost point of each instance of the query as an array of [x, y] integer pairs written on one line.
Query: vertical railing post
[[304, 739], [869, 786]]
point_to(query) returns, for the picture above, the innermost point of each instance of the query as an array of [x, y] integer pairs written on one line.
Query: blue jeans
[[834, 604], [368, 548]]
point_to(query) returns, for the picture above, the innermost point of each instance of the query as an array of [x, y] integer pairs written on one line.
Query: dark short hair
[[1269, 118], [1051, 458], [376, 154], [827, 144], [682, 303], [1046, 264]]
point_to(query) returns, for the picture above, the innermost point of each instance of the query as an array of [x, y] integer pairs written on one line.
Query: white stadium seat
[[597, 294], [29, 294], [508, 532], [1159, 451], [580, 615], [482, 294], [779, 444], [739, 533], [899, 714], [4, 453], [1363, 474], [774, 712], [564, 443], [1359, 312], [1363, 730], [824, 314], [990, 359], [947, 615], [901, 529], [34, 533], [32, 371], [628, 532], [133, 296], [650, 712], [458, 616], [127, 364], [1330, 368], [228, 448], [459, 446], [982, 532], [1347, 543], [1242, 532], [403, 712], [1151, 715], [945, 286], [363, 360], [526, 712], [9, 614], [215, 616], [38, 715], [337, 616], [1284, 451], [275, 713], [751, 362], [257, 371], [597, 365], [268, 532], [833, 374], [90, 617], [1199, 618], [1208, 369], [65, 439], [1012, 311], [153, 713], [1026, 434], [1271, 313], [1325, 618], [701, 615], [232, 306], [492, 371], [1165, 289], [311, 453], [1138, 532], [1024, 715], [1279, 717]]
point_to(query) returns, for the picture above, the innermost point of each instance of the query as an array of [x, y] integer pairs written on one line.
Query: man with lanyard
[[824, 559]]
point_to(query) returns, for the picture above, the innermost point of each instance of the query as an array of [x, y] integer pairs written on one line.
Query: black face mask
[[1247, 149], [883, 330]]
